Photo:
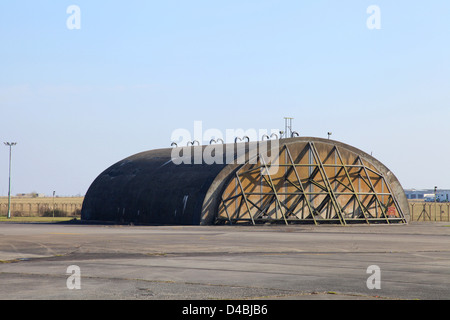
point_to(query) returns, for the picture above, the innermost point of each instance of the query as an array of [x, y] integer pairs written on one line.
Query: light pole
[[435, 200], [10, 145]]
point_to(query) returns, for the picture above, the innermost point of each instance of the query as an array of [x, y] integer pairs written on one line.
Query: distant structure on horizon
[[428, 195], [30, 195]]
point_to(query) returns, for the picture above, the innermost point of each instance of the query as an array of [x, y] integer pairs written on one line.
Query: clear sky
[[79, 100]]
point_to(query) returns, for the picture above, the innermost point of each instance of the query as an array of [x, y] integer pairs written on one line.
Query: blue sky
[[77, 101]]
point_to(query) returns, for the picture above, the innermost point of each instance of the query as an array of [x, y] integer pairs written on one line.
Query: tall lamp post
[[435, 200], [10, 145], [53, 204]]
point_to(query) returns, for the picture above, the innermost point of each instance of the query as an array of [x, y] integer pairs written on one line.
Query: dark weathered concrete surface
[[224, 262]]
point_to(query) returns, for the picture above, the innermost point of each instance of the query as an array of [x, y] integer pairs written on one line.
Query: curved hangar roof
[[305, 180]]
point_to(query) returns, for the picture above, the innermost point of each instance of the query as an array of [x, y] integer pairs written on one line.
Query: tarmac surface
[[298, 262]]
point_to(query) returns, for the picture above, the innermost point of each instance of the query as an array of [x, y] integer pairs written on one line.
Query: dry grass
[[38, 207], [4, 200], [35, 219]]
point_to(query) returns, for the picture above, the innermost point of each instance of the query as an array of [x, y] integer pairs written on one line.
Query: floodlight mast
[[10, 145]]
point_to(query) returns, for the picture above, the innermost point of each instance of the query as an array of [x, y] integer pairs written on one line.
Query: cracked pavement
[[224, 262]]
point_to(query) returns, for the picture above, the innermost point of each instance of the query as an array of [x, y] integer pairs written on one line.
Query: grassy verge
[[35, 219]]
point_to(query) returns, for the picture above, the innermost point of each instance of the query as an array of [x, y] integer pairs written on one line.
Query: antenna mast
[[288, 127]]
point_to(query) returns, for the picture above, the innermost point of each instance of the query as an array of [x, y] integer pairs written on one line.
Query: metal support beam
[[287, 199]]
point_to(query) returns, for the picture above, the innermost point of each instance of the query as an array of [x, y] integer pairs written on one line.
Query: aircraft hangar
[[293, 180]]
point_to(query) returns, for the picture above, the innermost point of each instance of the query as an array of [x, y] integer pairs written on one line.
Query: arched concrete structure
[[305, 180]]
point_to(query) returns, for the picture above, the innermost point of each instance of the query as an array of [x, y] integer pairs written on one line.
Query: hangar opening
[[305, 180]]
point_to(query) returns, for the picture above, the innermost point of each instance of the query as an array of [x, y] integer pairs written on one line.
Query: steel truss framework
[[315, 187]]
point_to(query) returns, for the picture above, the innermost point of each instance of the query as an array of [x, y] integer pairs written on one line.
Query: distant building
[[30, 195], [442, 195]]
